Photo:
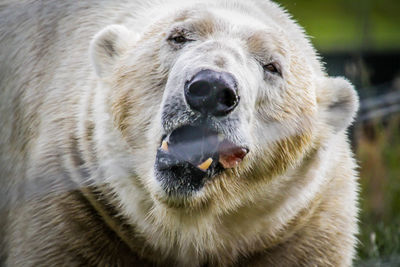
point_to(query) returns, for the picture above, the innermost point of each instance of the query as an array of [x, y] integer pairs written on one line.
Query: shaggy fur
[[88, 88]]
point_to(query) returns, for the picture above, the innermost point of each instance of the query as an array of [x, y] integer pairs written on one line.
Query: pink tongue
[[230, 155]]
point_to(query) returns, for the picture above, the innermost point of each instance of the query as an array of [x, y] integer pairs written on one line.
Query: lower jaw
[[180, 178], [184, 181]]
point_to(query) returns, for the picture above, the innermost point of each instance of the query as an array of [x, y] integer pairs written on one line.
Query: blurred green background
[[340, 25], [361, 41]]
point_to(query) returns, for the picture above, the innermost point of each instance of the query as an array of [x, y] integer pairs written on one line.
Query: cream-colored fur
[[83, 87]]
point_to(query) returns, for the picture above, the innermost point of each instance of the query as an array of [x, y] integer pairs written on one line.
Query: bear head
[[211, 102]]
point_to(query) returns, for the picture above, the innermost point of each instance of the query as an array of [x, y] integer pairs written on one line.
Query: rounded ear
[[338, 101], [107, 45]]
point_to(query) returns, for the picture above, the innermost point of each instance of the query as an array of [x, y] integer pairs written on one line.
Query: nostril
[[227, 98], [200, 89]]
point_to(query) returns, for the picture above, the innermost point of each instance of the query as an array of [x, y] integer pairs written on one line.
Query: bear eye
[[179, 39], [272, 68]]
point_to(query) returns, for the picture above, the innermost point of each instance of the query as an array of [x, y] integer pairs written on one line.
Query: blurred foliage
[[340, 25], [378, 153]]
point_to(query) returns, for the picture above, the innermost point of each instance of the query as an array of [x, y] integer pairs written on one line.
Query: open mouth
[[190, 155]]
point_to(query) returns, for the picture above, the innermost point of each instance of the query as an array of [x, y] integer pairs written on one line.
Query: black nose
[[212, 92]]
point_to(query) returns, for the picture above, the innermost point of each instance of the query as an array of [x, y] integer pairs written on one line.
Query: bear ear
[[107, 46], [338, 102]]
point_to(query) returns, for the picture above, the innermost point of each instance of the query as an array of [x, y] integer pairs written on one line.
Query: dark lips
[[190, 155]]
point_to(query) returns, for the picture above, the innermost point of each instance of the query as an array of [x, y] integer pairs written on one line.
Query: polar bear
[[187, 133]]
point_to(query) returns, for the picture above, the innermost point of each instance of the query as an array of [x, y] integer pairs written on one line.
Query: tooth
[[205, 165], [164, 146]]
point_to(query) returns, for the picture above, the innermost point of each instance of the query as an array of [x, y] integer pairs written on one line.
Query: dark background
[[361, 41]]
